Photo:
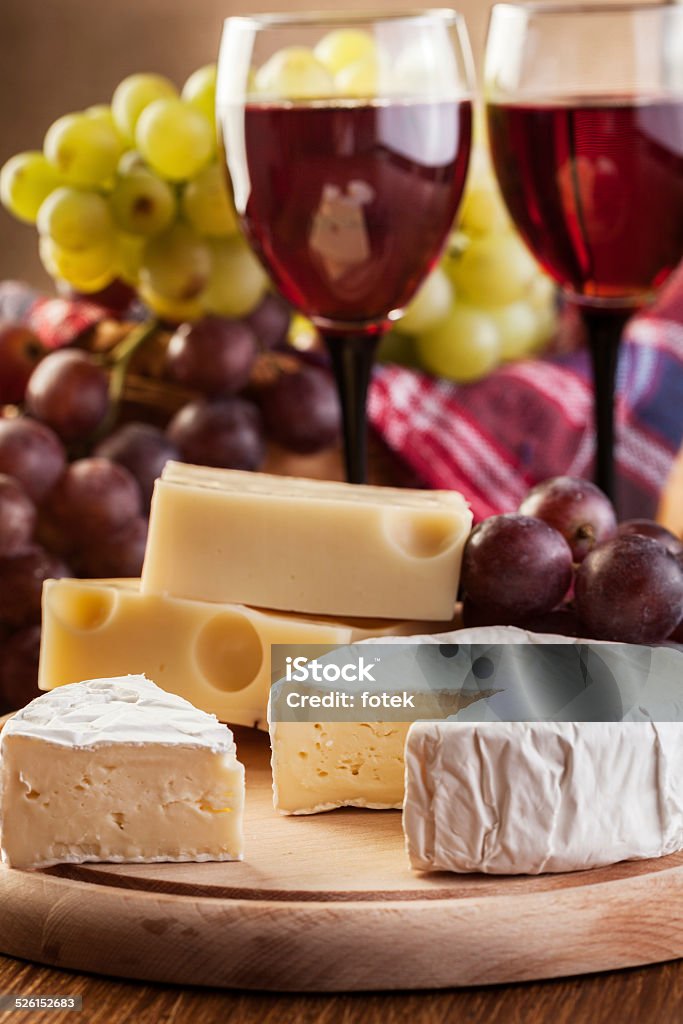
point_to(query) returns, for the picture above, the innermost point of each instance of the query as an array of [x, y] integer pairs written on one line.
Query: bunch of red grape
[[76, 481], [562, 564]]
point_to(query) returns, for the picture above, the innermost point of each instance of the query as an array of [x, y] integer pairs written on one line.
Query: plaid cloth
[[496, 438], [529, 420]]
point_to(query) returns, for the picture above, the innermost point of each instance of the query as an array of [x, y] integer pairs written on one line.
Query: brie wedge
[[118, 770]]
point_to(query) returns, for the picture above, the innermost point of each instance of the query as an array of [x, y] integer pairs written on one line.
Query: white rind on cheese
[[118, 770], [525, 798], [123, 709]]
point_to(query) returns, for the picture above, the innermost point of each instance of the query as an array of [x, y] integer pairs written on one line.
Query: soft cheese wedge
[[525, 798], [216, 655], [305, 545], [118, 770]]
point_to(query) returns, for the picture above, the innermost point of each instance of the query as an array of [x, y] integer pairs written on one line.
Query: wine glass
[[347, 139], [585, 119]]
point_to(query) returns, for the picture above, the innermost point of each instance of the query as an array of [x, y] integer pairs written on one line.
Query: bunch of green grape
[[486, 302], [133, 191]]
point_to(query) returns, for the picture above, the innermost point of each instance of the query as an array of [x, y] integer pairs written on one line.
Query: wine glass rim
[[586, 7], [278, 19]]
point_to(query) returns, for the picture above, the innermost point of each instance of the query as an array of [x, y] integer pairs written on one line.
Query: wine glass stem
[[352, 358], [604, 328]]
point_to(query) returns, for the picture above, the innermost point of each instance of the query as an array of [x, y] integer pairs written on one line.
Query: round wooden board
[[328, 903]]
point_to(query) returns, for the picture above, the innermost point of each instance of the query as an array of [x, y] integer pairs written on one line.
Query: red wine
[[350, 205], [596, 189]]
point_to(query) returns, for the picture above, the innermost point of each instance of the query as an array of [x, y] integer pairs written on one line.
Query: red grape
[[143, 449], [17, 517], [562, 621], [119, 555], [19, 668], [221, 432], [270, 321], [20, 351], [677, 635], [32, 454], [116, 298], [58, 539], [647, 528], [577, 508], [517, 564], [21, 584], [301, 409], [630, 590], [214, 355], [69, 392], [95, 497], [474, 616]]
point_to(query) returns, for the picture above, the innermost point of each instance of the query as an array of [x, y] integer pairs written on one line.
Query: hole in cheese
[[228, 652], [80, 607], [425, 536]]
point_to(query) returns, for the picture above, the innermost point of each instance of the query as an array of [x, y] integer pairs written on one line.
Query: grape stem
[[119, 359]]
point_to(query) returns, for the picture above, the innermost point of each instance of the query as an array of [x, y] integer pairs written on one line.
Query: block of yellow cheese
[[215, 655], [311, 546]]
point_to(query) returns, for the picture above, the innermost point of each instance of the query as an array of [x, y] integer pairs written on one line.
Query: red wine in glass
[[349, 206], [596, 189]]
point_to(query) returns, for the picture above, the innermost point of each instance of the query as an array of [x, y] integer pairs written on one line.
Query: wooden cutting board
[[328, 903]]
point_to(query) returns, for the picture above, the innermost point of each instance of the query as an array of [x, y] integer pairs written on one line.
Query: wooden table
[[646, 995]]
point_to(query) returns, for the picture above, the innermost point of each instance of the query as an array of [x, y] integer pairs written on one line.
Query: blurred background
[[62, 55]]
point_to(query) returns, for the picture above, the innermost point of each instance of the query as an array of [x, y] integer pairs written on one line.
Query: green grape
[[359, 79], [102, 112], [483, 211], [88, 270], [175, 140], [200, 92], [85, 150], [464, 346], [207, 205], [541, 293], [342, 47], [493, 271], [517, 329], [142, 204], [133, 94], [546, 326], [25, 181], [294, 73], [302, 334], [397, 348], [169, 309], [430, 304], [176, 265], [129, 162], [131, 249], [237, 283], [75, 219]]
